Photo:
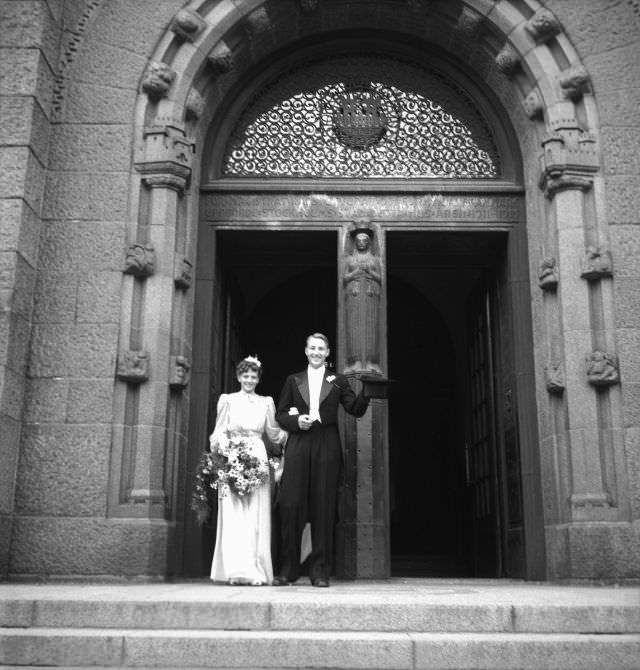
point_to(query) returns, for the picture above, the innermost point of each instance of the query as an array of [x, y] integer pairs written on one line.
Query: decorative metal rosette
[[349, 126]]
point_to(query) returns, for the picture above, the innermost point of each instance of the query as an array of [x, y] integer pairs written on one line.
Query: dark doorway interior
[[285, 288], [431, 276]]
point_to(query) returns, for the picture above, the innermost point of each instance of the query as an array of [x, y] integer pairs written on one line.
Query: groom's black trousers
[[308, 492]]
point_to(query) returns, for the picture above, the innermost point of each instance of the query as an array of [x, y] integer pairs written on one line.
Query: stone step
[[122, 648]]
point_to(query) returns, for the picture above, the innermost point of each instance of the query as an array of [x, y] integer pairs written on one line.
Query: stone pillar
[[582, 372], [154, 365], [363, 531], [29, 42]]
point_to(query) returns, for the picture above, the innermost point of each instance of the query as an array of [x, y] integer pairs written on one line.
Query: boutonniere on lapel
[[293, 411], [330, 378]]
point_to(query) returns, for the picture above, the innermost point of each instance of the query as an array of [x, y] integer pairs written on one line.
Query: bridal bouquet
[[231, 467]]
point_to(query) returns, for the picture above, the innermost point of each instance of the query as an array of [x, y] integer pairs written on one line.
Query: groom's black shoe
[[281, 581], [320, 582]]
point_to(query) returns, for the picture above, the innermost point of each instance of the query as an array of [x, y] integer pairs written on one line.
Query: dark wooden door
[[492, 446]]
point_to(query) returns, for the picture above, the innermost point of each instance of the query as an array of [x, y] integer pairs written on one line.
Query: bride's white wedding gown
[[243, 537]]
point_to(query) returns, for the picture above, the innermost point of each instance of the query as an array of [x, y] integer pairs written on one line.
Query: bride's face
[[248, 381]]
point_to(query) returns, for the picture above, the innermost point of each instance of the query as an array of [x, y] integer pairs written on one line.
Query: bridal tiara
[[253, 359]]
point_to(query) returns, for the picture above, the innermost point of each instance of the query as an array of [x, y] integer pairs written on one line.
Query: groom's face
[[316, 351]]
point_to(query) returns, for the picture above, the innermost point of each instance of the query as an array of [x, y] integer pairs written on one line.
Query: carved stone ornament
[[179, 373], [140, 260], [548, 274], [258, 21], [158, 80], [554, 377], [221, 59], [362, 283], [568, 161], [195, 105], [542, 26], [183, 272], [508, 60], [133, 366], [187, 24], [574, 83], [596, 264], [165, 154], [602, 369], [533, 106], [469, 23], [308, 6]]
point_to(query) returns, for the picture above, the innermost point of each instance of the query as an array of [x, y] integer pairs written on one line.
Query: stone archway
[[519, 51]]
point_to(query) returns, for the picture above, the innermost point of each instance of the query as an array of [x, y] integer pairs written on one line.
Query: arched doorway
[[289, 158]]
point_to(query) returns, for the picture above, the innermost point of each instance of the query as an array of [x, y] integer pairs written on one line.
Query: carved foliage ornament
[[187, 24], [508, 60], [133, 366], [533, 106], [543, 25], [221, 59], [548, 274], [158, 80], [554, 377], [258, 21], [596, 264], [469, 23], [194, 107], [140, 260], [602, 369], [179, 373], [183, 272]]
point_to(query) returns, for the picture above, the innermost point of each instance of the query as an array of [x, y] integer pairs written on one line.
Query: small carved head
[[158, 80]]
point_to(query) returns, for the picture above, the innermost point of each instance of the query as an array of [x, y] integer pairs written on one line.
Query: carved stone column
[[363, 531], [144, 444], [568, 165]]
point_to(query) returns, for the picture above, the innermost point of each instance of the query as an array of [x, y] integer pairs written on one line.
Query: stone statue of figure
[[362, 281]]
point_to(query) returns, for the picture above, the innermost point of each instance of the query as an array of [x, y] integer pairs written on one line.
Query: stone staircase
[[395, 624]]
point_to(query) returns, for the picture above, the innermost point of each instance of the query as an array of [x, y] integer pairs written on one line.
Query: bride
[[243, 539]]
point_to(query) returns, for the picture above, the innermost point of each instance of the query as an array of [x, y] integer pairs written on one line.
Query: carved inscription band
[[225, 207]]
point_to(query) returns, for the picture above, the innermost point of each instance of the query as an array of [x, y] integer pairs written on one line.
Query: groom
[[308, 410]]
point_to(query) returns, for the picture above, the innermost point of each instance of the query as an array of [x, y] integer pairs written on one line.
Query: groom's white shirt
[[315, 377]]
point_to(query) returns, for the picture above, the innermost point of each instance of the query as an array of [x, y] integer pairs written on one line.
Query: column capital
[[164, 157], [569, 158]]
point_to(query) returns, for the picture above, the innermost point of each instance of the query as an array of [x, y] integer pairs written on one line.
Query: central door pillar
[[363, 531]]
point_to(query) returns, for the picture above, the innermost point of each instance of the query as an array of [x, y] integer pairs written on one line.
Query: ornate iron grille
[[362, 118]]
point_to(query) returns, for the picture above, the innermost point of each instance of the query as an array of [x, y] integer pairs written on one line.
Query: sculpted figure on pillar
[[362, 282]]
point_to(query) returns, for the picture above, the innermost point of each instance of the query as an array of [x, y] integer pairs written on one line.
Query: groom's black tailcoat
[[309, 485]]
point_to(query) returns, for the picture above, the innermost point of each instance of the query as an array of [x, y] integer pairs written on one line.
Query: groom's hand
[[304, 422]]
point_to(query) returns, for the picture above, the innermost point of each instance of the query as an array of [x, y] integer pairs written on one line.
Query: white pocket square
[[293, 411]]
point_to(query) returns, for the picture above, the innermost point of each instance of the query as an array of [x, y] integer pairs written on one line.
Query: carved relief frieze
[[158, 80], [597, 264], [140, 260], [165, 154], [602, 369], [220, 59], [508, 60], [187, 24], [548, 274], [533, 105], [226, 207], [543, 26], [258, 21], [194, 107], [183, 272], [554, 377], [574, 83], [133, 366], [569, 158], [179, 372]]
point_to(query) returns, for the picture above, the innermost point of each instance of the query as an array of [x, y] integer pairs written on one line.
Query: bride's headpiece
[[254, 360]]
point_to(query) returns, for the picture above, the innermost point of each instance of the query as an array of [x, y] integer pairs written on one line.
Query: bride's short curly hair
[[249, 364]]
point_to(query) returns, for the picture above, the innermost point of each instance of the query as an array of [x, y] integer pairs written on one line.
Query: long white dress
[[243, 538]]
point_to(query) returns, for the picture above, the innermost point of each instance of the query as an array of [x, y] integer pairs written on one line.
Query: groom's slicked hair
[[319, 336]]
